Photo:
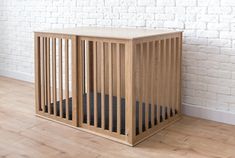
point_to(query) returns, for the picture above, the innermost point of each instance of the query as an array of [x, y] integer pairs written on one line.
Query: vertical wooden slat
[[159, 79], [118, 88], [60, 77], [95, 82], [48, 76], [177, 75], [110, 87], [168, 77], [75, 80], [88, 79], [42, 75], [129, 92], [54, 75], [180, 79], [174, 91], [102, 86], [164, 79], [80, 81], [45, 72], [141, 88], [153, 71], [147, 88], [67, 77], [37, 73]]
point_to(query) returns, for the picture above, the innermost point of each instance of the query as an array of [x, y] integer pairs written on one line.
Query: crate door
[[103, 87]]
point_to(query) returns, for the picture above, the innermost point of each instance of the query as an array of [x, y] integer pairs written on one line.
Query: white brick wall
[[209, 37]]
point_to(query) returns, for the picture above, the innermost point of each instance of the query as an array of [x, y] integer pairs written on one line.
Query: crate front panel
[[53, 77]]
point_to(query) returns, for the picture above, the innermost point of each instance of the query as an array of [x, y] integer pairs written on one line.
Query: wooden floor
[[22, 134]]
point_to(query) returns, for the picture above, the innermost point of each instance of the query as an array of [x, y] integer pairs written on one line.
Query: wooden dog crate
[[123, 84]]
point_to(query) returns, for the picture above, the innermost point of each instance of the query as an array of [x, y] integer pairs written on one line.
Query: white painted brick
[[219, 10], [186, 3], [218, 26], [174, 24], [159, 10], [185, 18], [111, 16], [207, 18], [136, 23], [220, 106], [193, 100], [228, 51], [111, 3], [188, 92], [190, 48], [164, 16], [195, 25], [226, 66], [196, 41], [104, 22], [227, 18], [128, 16], [155, 23], [233, 75], [233, 45], [220, 42], [145, 16], [227, 3], [205, 94], [119, 22], [225, 98], [89, 21], [175, 10], [146, 2], [233, 27], [190, 33], [227, 35], [219, 58], [209, 49], [233, 91], [218, 89], [196, 10], [165, 2], [195, 56], [95, 16], [134, 9], [106, 9], [232, 107], [206, 33], [128, 2], [208, 2], [122, 9]]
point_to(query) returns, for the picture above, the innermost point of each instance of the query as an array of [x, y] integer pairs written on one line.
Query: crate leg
[[130, 111]]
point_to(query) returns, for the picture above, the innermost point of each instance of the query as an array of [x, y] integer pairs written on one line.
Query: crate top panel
[[107, 32]]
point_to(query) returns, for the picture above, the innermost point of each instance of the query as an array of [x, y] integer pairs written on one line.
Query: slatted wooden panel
[[52, 76], [157, 83]]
